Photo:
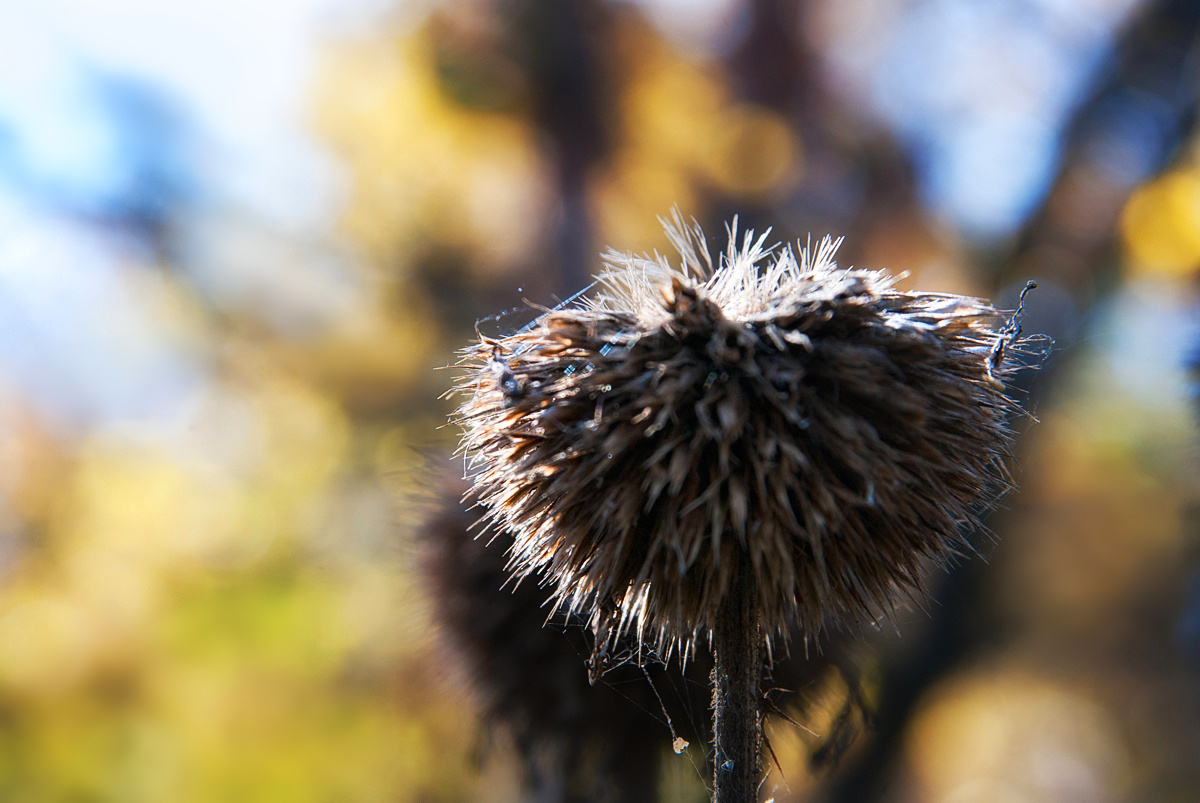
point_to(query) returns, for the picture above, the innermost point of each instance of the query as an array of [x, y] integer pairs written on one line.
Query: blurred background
[[238, 238]]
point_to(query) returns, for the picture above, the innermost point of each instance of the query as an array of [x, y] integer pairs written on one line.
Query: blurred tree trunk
[[1069, 246]]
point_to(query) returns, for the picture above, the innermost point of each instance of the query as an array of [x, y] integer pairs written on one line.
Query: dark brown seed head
[[817, 422]]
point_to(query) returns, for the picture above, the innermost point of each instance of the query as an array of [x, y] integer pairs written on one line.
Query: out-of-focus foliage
[[220, 315], [424, 166]]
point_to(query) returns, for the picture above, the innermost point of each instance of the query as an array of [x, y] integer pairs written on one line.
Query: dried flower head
[[774, 412]]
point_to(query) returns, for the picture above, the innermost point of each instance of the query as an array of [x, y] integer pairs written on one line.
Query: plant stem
[[737, 670]]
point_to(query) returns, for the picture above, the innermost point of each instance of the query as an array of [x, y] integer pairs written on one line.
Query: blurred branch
[[1069, 241], [1141, 109], [856, 175], [560, 41]]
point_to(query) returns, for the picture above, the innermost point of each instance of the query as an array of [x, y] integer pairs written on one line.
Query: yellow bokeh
[[1161, 225], [754, 152], [1006, 735]]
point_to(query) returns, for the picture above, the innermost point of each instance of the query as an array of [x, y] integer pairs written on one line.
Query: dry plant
[[718, 452]]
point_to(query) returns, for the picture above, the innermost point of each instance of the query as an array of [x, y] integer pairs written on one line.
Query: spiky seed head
[[818, 422]]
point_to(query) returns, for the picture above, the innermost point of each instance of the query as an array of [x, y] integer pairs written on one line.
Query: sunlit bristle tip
[[763, 405]]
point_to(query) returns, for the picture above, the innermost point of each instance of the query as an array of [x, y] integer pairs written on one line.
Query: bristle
[[830, 429]]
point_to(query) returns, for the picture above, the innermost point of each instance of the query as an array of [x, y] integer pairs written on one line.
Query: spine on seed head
[[821, 425]]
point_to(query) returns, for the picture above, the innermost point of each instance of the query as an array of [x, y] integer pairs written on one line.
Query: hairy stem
[[737, 671]]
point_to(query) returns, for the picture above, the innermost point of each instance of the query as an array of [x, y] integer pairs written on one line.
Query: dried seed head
[[817, 422]]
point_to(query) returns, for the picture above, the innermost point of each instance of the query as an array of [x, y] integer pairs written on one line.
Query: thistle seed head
[[832, 430]]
